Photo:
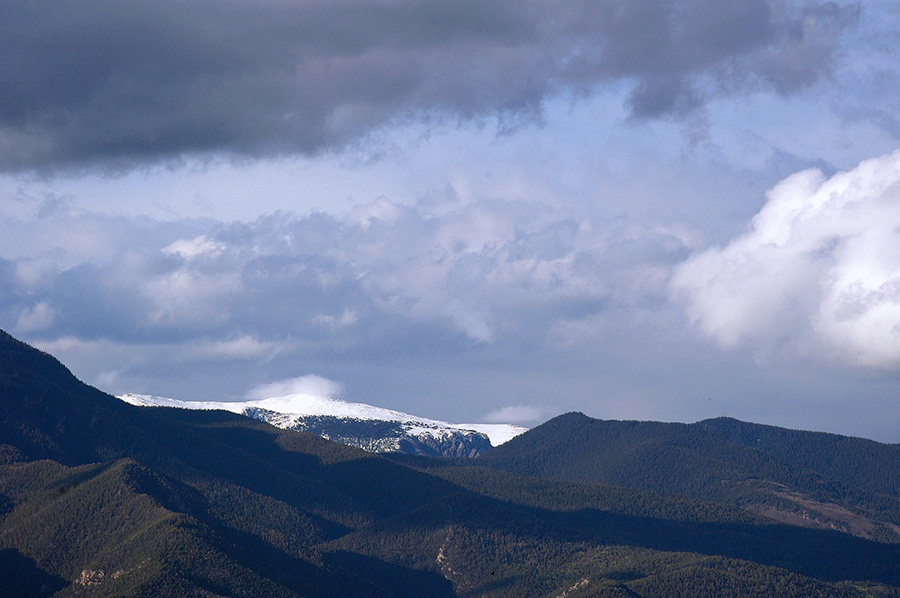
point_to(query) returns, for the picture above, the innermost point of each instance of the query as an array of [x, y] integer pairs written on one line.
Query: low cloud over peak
[[310, 384], [126, 84]]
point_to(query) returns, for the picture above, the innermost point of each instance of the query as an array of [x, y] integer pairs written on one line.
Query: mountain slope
[[103, 498], [857, 462], [278, 493], [799, 477], [148, 536]]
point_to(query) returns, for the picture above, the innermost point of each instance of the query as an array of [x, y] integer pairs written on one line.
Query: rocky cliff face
[[380, 436]]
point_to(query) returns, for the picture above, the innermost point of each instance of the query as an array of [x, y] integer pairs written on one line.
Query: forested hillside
[[807, 478], [101, 498]]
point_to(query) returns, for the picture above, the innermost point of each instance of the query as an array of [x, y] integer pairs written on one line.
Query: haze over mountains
[[102, 498]]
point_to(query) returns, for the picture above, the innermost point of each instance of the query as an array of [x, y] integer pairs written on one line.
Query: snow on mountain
[[372, 428], [497, 433]]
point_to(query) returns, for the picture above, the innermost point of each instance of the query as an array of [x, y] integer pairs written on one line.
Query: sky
[[465, 210]]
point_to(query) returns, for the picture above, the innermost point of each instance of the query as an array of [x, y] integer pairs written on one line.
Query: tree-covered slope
[[854, 462], [800, 477], [261, 498]]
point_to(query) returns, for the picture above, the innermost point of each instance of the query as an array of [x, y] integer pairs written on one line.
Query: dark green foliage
[[104, 499], [855, 462], [726, 578], [559, 495], [22, 578], [795, 476]]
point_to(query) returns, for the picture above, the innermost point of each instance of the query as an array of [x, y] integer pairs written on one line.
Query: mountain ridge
[[815, 478], [370, 428]]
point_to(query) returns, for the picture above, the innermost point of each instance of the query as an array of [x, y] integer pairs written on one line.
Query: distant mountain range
[[370, 428], [812, 479], [102, 498]]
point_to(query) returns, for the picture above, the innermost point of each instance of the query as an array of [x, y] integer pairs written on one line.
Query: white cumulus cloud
[[311, 385], [819, 266], [516, 414], [193, 248]]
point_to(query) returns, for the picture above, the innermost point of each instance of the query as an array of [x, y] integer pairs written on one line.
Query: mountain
[[102, 498], [804, 478], [370, 428], [97, 494]]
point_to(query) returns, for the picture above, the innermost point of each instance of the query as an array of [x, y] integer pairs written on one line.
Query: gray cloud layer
[[484, 304], [82, 83], [386, 276]]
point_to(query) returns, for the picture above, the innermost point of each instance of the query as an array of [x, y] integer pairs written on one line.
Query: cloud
[[347, 318], [383, 279], [515, 414], [124, 85], [193, 248], [109, 378], [38, 317], [245, 347], [819, 268], [311, 384]]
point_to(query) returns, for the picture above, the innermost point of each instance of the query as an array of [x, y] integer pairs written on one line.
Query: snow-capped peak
[[292, 408]]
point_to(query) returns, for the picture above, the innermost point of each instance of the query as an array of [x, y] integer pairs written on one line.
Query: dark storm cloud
[[120, 83]]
